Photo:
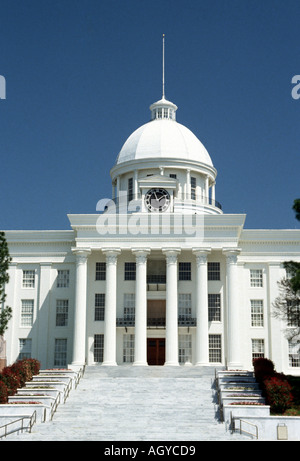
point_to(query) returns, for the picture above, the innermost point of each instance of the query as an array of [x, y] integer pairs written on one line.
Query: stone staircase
[[138, 404]]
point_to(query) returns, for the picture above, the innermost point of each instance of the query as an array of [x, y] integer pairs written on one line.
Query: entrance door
[[156, 351]]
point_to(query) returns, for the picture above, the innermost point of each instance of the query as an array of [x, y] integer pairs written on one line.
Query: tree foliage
[[5, 311]]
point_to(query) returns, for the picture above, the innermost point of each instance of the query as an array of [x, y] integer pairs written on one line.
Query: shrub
[[278, 393], [3, 393], [263, 368], [34, 365], [11, 380]]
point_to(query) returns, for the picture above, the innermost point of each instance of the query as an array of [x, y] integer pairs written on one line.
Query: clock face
[[157, 200]]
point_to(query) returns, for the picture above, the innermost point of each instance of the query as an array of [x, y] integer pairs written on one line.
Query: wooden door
[[156, 351]]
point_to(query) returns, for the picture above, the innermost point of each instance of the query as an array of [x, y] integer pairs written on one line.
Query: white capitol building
[[160, 275]]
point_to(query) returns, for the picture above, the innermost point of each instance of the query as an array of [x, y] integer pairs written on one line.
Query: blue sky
[[81, 75]]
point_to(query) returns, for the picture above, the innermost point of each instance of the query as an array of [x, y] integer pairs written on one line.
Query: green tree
[[5, 311]]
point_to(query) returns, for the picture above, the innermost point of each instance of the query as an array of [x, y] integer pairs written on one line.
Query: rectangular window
[[63, 278], [185, 348], [60, 353], [28, 279], [98, 348], [99, 306], [128, 348], [193, 188], [100, 271], [130, 269], [256, 278], [27, 312], [258, 348], [257, 313], [129, 306], [24, 348], [184, 306], [185, 271], [62, 310], [294, 354], [173, 175], [130, 189], [214, 307], [213, 271], [293, 313], [215, 348]]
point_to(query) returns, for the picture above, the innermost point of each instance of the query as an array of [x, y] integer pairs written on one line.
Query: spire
[[163, 67]]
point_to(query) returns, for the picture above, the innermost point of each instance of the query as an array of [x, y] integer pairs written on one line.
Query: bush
[[278, 393], [11, 380], [263, 368], [3, 393], [16, 375]]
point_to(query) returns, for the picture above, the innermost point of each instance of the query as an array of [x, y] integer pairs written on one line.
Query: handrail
[[233, 420], [32, 421]]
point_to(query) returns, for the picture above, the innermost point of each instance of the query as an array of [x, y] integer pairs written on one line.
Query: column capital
[[231, 254], [201, 254], [171, 254], [141, 255], [81, 254], [111, 254]]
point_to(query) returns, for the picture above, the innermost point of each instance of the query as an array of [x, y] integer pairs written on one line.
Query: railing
[[54, 406], [123, 201], [241, 429], [32, 421], [155, 322]]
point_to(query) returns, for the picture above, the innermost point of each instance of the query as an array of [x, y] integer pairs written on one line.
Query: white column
[[202, 357], [233, 346], [79, 341], [110, 315], [171, 308], [213, 195], [188, 184], [135, 185], [206, 190], [140, 346]]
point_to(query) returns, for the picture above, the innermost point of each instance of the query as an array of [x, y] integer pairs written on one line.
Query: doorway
[[156, 351]]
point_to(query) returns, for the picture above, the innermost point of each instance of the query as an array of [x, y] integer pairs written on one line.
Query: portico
[[179, 306]]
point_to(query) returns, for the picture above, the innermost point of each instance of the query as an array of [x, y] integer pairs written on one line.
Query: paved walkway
[[137, 404]]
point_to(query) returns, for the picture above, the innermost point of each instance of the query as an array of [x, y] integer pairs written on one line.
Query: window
[[213, 271], [128, 348], [184, 305], [193, 188], [60, 353], [130, 189], [294, 354], [98, 348], [173, 176], [257, 313], [215, 351], [129, 271], [99, 306], [28, 278], [293, 313], [258, 348], [129, 306], [27, 312], [62, 308], [214, 307], [256, 278], [185, 271], [62, 278], [24, 348], [100, 271], [184, 348]]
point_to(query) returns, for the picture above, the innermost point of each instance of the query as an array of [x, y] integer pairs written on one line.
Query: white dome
[[163, 138]]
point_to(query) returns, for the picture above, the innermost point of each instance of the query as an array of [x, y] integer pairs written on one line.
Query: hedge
[[15, 376]]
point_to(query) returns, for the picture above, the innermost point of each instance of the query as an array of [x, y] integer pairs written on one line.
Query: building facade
[[160, 275]]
